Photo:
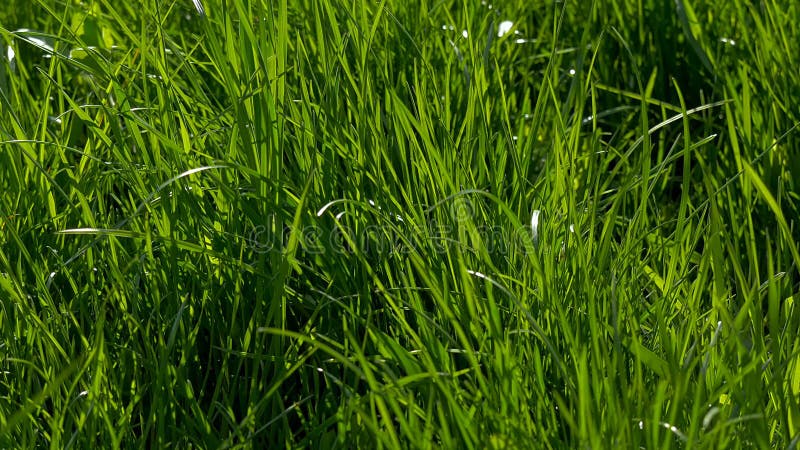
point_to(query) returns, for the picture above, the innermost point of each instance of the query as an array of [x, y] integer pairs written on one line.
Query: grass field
[[388, 224]]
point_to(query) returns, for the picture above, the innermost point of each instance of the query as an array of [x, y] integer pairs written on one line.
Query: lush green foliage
[[322, 224]]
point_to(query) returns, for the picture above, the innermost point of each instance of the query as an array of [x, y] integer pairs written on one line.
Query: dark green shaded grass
[[310, 224]]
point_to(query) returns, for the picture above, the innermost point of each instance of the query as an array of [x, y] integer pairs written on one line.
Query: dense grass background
[[379, 224]]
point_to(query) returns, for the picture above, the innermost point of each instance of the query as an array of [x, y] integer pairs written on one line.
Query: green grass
[[328, 224]]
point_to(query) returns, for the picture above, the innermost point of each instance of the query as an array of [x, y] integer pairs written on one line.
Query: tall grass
[[386, 225]]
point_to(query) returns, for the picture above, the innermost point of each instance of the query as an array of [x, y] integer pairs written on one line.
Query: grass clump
[[399, 225]]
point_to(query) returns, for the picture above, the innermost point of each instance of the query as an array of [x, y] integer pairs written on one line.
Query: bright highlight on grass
[[198, 5], [304, 224]]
